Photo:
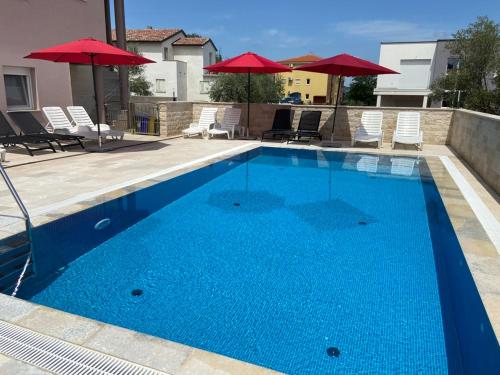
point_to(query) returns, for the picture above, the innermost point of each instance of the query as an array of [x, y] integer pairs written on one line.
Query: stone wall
[[475, 137], [435, 123], [174, 117]]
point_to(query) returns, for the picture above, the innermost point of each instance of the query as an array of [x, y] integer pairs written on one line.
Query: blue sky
[[281, 29]]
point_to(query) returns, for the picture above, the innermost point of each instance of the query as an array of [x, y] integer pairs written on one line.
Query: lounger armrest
[[49, 128], [194, 125], [421, 136]]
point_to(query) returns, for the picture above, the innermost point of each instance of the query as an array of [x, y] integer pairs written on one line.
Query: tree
[[138, 84], [361, 91], [264, 88], [193, 35], [475, 82]]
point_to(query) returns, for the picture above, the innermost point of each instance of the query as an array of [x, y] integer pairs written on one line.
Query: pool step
[[13, 255]]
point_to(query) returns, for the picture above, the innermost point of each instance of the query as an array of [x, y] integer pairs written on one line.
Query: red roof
[[191, 41], [148, 35], [310, 57]]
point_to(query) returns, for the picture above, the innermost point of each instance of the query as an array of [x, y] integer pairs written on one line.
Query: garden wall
[[475, 137]]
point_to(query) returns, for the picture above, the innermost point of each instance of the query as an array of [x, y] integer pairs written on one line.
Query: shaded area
[[246, 201], [332, 215]]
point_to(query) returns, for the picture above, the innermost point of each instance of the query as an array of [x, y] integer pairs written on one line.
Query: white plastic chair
[[408, 130], [207, 119], [59, 123], [229, 123], [81, 118], [370, 129], [3, 152]]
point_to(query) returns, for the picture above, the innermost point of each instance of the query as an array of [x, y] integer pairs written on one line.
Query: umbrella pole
[[336, 107], [96, 101], [248, 104]]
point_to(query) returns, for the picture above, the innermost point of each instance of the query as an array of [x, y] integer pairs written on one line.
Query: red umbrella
[[248, 62], [345, 65], [92, 52]]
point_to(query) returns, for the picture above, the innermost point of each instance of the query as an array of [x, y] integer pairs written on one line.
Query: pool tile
[[149, 351], [72, 328], [206, 363], [13, 309], [11, 366]]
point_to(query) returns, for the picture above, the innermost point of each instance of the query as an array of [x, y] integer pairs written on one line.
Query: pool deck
[[55, 185]]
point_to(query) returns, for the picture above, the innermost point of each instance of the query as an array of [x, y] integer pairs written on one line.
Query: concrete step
[[8, 252]]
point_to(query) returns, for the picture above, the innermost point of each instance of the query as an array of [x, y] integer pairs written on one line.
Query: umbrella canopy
[[345, 65], [88, 51], [91, 52], [248, 62]]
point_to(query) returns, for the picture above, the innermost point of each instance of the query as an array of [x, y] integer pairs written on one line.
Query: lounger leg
[[60, 145], [28, 149], [81, 143]]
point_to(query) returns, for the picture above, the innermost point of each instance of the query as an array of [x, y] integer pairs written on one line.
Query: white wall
[[166, 70], [391, 55], [29, 25], [196, 58]]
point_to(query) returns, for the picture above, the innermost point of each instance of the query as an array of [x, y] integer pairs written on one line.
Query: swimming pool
[[306, 262]]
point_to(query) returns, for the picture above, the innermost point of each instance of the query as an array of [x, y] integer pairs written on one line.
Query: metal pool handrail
[[27, 221]]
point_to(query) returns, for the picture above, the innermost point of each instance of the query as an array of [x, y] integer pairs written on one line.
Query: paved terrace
[[54, 185]]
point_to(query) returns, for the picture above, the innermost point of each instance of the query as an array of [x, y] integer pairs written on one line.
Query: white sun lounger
[[408, 130], [403, 166], [207, 119], [229, 124], [370, 129], [367, 163], [59, 123], [81, 118]]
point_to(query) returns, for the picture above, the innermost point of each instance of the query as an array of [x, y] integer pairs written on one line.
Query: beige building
[[29, 85]]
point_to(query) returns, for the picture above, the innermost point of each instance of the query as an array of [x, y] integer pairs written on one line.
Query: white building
[[419, 64], [178, 72]]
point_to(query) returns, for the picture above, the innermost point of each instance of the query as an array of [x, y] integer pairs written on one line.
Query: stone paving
[[56, 185]]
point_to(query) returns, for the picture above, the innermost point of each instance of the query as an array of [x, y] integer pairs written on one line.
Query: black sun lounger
[[308, 126], [8, 137], [282, 125], [30, 126]]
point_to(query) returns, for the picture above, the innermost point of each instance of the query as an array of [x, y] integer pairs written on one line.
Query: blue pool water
[[272, 257]]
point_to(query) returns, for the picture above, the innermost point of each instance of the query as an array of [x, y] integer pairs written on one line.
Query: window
[[161, 86], [297, 81], [165, 53], [308, 81], [307, 96], [18, 88], [452, 63], [211, 58], [204, 87]]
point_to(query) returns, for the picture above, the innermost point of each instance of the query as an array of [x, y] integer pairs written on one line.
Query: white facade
[[178, 71], [419, 64]]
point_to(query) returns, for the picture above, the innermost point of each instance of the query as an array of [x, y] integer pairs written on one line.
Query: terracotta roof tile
[[191, 41], [310, 57], [148, 35]]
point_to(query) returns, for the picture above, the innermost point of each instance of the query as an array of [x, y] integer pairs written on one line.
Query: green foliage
[[138, 84], [264, 88], [193, 35], [475, 84], [361, 91]]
